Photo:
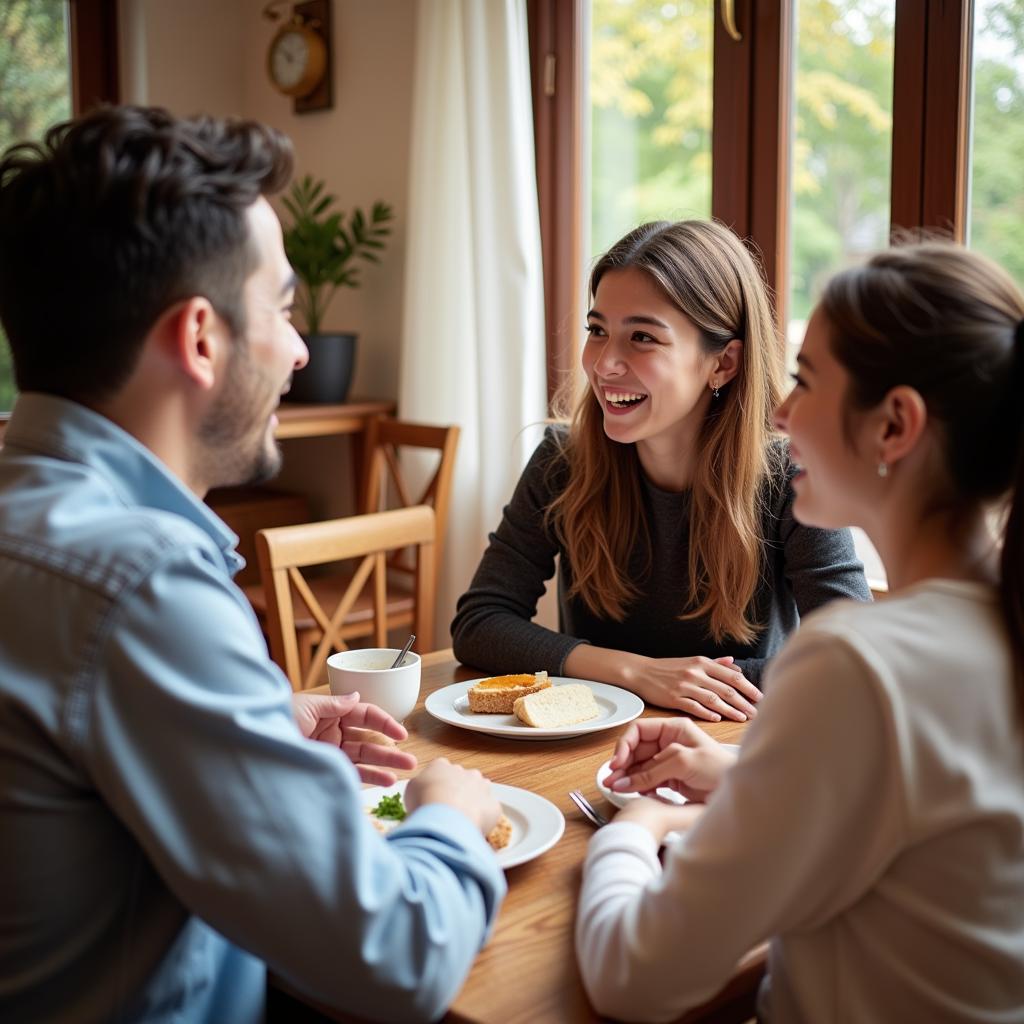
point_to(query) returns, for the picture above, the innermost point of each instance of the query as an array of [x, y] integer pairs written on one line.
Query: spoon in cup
[[405, 650]]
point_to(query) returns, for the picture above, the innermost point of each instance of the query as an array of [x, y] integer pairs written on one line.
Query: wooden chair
[[384, 485], [286, 550]]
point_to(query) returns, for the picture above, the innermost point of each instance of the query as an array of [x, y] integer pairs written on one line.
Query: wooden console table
[[295, 419], [248, 509]]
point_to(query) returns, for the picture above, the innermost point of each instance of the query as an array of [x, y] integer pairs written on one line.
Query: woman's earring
[[883, 469], [715, 392]]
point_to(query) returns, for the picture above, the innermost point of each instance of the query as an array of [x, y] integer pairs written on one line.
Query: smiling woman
[[907, 422], [667, 498]]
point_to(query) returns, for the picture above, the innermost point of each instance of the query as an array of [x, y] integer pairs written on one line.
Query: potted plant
[[323, 246]]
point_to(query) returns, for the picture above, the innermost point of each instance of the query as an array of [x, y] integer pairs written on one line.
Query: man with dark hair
[[169, 825]]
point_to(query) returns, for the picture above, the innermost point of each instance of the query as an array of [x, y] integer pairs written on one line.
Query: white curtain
[[473, 320]]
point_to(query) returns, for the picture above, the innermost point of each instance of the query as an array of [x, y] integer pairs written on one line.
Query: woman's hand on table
[[707, 688], [465, 789], [343, 722], [671, 752]]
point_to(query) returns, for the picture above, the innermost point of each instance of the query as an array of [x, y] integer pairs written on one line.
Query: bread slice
[[495, 696], [500, 835], [557, 707]]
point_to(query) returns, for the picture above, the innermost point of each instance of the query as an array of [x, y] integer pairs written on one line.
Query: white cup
[[368, 671]]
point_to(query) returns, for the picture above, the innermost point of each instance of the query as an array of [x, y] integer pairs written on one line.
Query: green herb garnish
[[391, 807]]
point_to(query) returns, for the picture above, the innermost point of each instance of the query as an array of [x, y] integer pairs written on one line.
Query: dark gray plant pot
[[326, 378]]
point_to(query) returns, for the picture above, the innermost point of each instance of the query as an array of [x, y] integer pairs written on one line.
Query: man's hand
[[465, 789], [672, 752], [707, 688], [342, 722]]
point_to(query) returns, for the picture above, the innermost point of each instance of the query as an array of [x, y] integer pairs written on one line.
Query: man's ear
[[195, 337], [727, 364], [902, 418]]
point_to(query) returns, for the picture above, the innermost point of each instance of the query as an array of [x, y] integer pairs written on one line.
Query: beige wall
[[209, 56]]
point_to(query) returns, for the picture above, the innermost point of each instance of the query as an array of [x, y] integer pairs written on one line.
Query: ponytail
[[1011, 576]]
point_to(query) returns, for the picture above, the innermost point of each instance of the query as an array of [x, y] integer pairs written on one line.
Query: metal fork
[[595, 817]]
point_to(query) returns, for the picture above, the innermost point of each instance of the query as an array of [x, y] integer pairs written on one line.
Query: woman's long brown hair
[[708, 274]]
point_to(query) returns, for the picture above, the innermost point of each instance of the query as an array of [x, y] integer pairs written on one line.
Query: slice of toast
[[558, 707], [500, 835], [497, 695]]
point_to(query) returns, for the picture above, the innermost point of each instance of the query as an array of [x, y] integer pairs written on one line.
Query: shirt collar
[[67, 430]]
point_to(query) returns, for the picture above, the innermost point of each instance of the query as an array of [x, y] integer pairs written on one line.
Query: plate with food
[[534, 706], [529, 824], [621, 799]]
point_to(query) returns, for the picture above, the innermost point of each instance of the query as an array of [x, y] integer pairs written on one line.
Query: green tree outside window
[[36, 91], [650, 106]]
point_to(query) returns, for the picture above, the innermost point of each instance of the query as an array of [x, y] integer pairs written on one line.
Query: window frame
[[752, 100], [94, 56], [94, 53], [556, 67]]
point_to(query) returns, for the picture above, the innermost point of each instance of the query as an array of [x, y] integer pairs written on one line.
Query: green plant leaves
[[321, 244]]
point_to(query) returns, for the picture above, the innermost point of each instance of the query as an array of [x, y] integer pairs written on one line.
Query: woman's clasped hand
[[708, 688], [671, 753]]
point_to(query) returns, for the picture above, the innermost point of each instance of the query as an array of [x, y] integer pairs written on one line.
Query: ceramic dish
[[450, 704], [537, 824]]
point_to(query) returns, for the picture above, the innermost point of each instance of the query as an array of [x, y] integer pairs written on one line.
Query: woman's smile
[[619, 401]]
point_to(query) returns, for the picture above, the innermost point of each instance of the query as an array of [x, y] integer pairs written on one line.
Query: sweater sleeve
[[800, 828], [492, 629], [818, 566]]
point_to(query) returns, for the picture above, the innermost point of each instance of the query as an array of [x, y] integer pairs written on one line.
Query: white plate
[[621, 799], [450, 704], [537, 824]]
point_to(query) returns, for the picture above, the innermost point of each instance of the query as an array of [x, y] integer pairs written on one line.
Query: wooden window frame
[[556, 48], [95, 76], [95, 73], [750, 129], [931, 116], [752, 99]]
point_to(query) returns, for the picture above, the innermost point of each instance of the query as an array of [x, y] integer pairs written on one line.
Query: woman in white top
[[873, 828]]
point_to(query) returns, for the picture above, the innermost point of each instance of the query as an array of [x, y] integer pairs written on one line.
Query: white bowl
[[368, 671]]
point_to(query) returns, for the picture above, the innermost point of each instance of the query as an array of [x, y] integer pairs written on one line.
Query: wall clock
[[299, 57]]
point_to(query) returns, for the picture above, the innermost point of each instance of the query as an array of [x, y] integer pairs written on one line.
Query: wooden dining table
[[527, 972]]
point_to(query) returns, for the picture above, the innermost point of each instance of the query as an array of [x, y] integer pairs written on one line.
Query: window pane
[[842, 155], [650, 114], [996, 210], [842, 142], [36, 85]]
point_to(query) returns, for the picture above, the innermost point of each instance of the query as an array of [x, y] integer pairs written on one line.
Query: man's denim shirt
[[166, 831]]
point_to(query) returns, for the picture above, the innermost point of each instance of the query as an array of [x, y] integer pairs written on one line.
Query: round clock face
[[289, 59]]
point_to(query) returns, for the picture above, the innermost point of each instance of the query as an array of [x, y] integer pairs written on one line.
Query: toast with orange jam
[[497, 695]]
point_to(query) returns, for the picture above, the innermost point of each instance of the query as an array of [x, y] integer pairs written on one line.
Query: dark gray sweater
[[492, 631]]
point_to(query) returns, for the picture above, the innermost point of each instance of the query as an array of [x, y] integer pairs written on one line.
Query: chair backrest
[[385, 481], [284, 551]]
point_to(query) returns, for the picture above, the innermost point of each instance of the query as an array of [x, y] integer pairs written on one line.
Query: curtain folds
[[473, 320]]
